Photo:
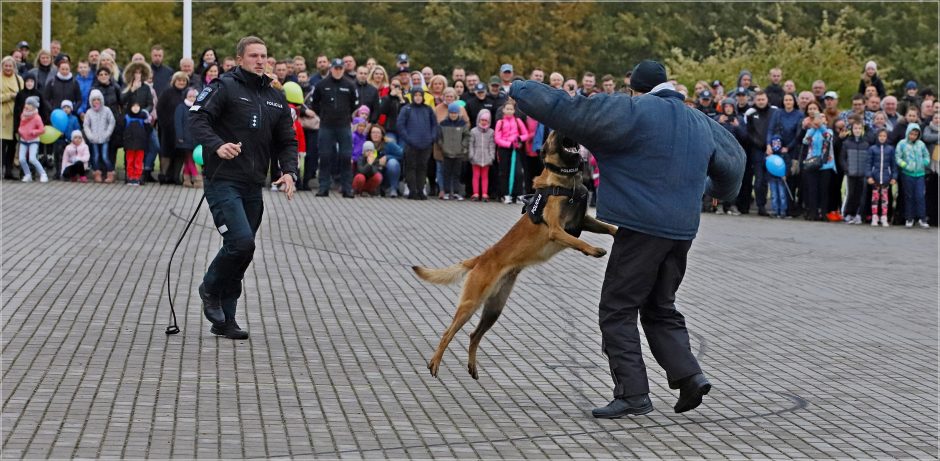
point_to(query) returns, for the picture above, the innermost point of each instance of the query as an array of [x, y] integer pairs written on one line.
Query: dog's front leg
[[592, 224], [557, 234]]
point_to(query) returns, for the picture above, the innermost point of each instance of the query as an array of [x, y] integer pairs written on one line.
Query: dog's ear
[[548, 146]]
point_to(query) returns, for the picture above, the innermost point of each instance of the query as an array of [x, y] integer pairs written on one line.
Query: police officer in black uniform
[[241, 121], [334, 99]]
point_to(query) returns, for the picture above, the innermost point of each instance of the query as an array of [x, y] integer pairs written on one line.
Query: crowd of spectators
[[415, 132]]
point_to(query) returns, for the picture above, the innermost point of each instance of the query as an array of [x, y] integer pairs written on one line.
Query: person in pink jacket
[[30, 129], [510, 134], [75, 159]]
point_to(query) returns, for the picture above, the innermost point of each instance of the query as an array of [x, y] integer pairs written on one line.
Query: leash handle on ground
[[174, 328]]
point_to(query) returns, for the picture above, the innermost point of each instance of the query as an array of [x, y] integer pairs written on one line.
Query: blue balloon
[[776, 166], [60, 120]]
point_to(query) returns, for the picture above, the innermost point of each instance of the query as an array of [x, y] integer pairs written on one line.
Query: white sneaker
[[507, 200], [27, 178], [874, 221], [405, 190], [848, 219], [909, 223], [857, 220], [274, 188], [923, 224], [884, 221], [445, 197], [43, 178], [457, 197]]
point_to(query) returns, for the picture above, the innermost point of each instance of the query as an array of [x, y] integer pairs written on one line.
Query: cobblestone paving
[[820, 339]]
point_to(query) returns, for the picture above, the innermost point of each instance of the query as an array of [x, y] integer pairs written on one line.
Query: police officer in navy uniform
[[240, 121], [334, 99]]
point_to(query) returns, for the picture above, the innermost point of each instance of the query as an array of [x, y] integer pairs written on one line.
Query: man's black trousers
[[642, 277]]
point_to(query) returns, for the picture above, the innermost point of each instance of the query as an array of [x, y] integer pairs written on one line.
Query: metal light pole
[[46, 24], [187, 28]]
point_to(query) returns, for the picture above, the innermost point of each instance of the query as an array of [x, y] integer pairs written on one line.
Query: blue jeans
[[915, 197], [150, 156], [327, 140], [236, 211], [778, 196], [439, 174], [392, 174], [100, 160]]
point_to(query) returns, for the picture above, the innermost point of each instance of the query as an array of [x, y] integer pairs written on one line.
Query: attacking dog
[[554, 218]]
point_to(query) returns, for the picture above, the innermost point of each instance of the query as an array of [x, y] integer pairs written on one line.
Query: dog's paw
[[472, 368], [434, 366], [596, 252]]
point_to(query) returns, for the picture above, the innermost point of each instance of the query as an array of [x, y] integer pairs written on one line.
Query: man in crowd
[[587, 84], [334, 100], [537, 75], [458, 74], [238, 140], [368, 94], [323, 68], [349, 67], [23, 48], [758, 123], [819, 91], [608, 84], [774, 90], [505, 78], [161, 73], [890, 106]]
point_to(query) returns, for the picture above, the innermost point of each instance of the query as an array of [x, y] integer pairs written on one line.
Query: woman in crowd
[[870, 78], [166, 105], [379, 79], [436, 87], [205, 59], [10, 85], [390, 158]]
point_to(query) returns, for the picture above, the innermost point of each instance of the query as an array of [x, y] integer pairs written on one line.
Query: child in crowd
[[882, 174], [99, 125], [184, 140], [454, 140], [912, 156], [75, 159], [778, 189], [855, 160], [510, 133], [362, 112], [63, 141], [30, 129], [482, 151], [359, 126], [368, 178], [136, 138]]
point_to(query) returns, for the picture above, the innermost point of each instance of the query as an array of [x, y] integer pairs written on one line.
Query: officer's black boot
[[229, 329], [211, 307]]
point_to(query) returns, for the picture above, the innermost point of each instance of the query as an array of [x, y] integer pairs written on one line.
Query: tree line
[[695, 40]]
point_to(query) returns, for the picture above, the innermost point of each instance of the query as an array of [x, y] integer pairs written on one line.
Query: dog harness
[[534, 205]]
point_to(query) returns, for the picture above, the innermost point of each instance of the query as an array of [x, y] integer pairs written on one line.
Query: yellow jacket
[[9, 86]]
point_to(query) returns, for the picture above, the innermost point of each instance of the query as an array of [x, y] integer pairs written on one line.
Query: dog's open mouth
[[570, 152]]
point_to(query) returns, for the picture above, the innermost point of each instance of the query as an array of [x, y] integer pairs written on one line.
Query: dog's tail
[[446, 275]]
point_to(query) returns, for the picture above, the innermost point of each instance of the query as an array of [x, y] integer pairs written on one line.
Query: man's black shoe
[[348, 195], [762, 212], [422, 196], [211, 307], [150, 177], [229, 329], [618, 408], [691, 390], [323, 193]]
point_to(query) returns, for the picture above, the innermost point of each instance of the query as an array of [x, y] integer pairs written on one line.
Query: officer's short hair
[[245, 41]]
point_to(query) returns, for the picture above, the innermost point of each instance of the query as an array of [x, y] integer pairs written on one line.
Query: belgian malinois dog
[[554, 218]]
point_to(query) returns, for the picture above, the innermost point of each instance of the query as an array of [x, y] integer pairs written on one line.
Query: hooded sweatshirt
[[417, 126], [482, 146], [912, 157], [74, 154], [930, 137], [99, 123]]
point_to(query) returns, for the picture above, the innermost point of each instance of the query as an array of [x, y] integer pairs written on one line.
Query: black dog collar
[[565, 171]]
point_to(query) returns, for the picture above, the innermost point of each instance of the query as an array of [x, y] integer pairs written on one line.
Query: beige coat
[[8, 89]]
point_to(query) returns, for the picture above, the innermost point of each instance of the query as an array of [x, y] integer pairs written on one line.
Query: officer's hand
[[229, 150], [871, 181], [288, 182]]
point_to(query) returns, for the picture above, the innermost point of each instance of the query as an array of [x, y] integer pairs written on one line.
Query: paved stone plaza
[[821, 340]]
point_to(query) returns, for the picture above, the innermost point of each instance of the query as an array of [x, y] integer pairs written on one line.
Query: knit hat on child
[[33, 101]]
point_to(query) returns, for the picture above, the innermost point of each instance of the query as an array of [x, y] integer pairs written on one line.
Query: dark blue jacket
[[881, 159], [787, 125], [184, 136], [417, 126], [392, 150], [657, 157]]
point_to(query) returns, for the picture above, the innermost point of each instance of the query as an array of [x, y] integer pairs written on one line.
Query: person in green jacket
[[912, 156]]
